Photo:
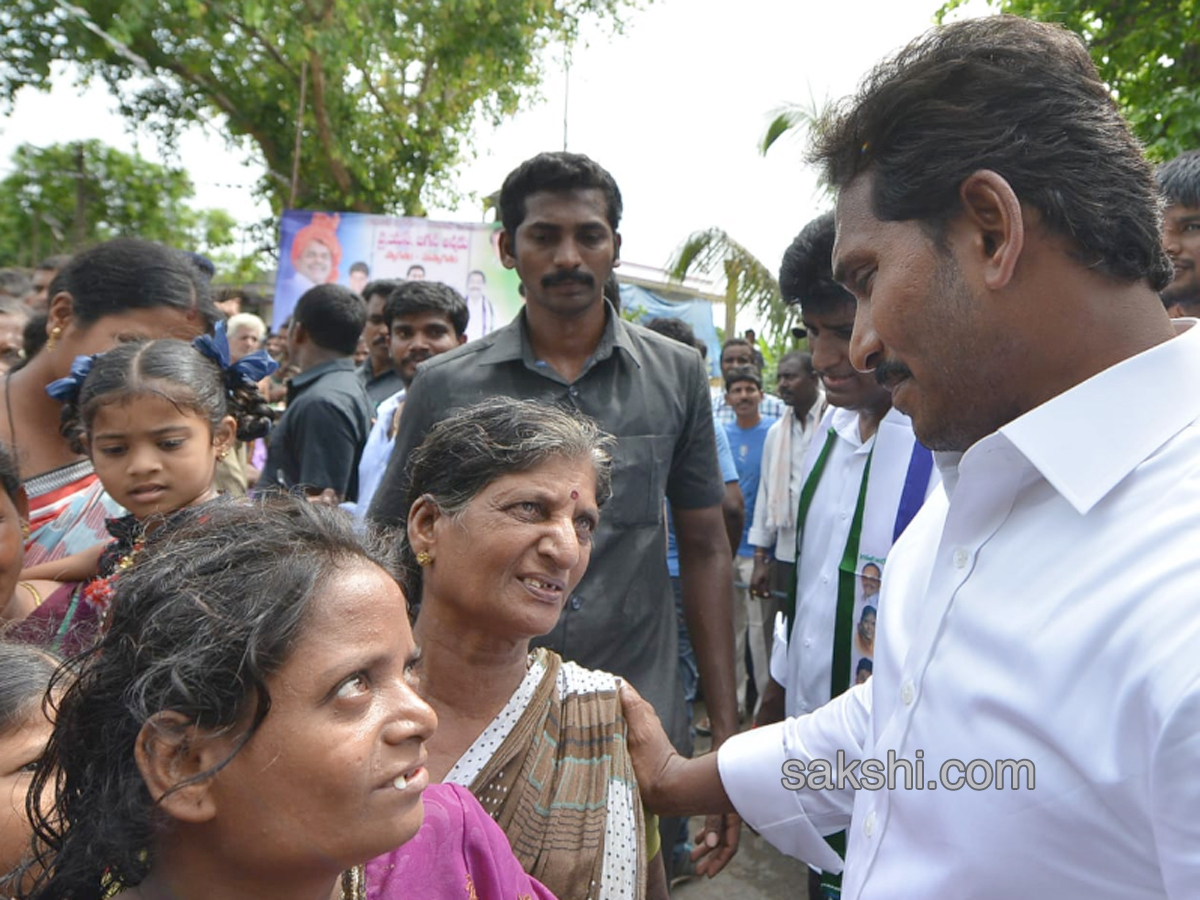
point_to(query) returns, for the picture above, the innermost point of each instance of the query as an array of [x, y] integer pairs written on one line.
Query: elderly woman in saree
[[504, 500]]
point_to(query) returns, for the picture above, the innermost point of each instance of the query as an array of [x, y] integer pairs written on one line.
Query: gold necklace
[[354, 884]]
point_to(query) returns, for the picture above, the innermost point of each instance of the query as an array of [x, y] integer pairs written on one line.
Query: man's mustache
[[568, 276], [889, 373]]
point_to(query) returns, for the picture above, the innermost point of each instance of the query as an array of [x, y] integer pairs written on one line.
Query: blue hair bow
[[250, 369], [66, 390]]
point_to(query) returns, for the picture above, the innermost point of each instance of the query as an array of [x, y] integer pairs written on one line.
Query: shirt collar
[[1122, 414], [308, 376], [512, 343]]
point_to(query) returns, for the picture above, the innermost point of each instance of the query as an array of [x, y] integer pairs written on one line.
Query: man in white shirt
[[1039, 618], [773, 530], [424, 319], [864, 478]]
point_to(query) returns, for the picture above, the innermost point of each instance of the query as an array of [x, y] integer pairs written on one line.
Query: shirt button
[[961, 558], [907, 693], [869, 824], [807, 642], [845, 515], [576, 602], [574, 392], [824, 579]]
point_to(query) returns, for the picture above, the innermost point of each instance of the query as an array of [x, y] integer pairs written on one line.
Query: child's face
[[155, 457]]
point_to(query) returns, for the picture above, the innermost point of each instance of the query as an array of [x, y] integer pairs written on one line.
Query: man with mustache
[[1035, 653], [378, 375], [568, 346], [421, 319], [1179, 181], [864, 478]]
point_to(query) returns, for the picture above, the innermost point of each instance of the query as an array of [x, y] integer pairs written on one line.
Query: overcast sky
[[674, 108]]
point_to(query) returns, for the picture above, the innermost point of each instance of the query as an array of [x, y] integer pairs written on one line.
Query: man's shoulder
[[655, 346], [463, 357]]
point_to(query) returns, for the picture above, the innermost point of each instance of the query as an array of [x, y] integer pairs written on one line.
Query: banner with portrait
[[353, 249]]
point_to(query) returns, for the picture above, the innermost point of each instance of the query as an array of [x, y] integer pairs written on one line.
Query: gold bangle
[[37, 597]]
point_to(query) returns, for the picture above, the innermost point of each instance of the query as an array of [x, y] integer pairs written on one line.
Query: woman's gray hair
[[468, 450]]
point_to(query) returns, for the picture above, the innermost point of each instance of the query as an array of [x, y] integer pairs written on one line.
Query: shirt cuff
[[752, 772], [761, 537]]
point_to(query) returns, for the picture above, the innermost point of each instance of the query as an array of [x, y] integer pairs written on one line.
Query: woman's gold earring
[[55, 334], [424, 559], [221, 454], [25, 530]]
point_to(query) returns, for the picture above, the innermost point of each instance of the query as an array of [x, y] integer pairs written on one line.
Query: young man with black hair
[[1179, 181], [377, 374], [999, 228], [560, 213], [423, 319], [316, 444], [747, 437], [738, 352]]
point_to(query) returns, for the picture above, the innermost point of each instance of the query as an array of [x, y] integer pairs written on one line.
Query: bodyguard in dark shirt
[[568, 346], [377, 373], [318, 441]]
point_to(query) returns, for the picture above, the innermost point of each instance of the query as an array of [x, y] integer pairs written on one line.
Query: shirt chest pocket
[[641, 464]]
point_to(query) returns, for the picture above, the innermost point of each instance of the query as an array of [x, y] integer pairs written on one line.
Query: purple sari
[[458, 854]]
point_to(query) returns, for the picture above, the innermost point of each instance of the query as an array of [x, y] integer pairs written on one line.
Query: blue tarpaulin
[[697, 313]]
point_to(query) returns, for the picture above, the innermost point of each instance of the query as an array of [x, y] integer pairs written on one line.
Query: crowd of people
[[388, 606]]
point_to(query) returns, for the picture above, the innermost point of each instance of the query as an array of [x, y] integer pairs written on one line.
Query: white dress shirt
[[1045, 606], [375, 456], [783, 539], [803, 661]]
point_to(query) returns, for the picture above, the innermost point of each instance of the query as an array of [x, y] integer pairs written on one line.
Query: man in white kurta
[[1040, 616]]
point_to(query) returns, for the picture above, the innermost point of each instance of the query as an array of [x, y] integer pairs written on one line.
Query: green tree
[[64, 196], [748, 282], [1147, 53], [391, 88]]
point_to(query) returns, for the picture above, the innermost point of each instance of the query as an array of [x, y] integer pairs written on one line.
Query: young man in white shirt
[[423, 319], [1039, 618], [864, 478]]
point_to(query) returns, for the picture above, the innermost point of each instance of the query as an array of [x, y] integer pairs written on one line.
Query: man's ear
[[173, 756], [616, 249], [462, 338], [993, 212], [508, 251], [422, 524]]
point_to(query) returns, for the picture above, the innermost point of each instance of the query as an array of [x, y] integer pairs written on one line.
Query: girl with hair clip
[[155, 418], [25, 675], [249, 726], [118, 291]]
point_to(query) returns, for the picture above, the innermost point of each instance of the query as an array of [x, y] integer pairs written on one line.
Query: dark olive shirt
[[379, 387], [651, 393], [317, 442]]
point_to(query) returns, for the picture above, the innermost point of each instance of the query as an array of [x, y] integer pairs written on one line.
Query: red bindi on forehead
[[574, 495]]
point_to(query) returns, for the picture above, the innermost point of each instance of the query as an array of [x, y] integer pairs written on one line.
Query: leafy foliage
[[392, 86], [121, 194], [1148, 54], [748, 283]]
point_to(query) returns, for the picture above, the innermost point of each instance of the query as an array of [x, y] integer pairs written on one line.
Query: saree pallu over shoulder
[[560, 783], [67, 511]]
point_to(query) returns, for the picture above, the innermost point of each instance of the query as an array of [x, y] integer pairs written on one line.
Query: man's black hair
[[675, 329], [1179, 180], [743, 373], [334, 317], [1022, 99], [557, 173], [428, 296], [381, 286], [806, 273]]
